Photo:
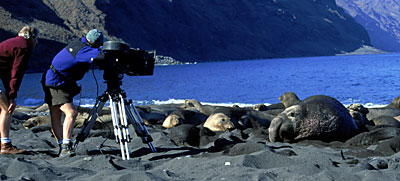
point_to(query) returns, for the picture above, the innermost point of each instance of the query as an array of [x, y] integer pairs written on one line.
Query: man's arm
[[18, 70]]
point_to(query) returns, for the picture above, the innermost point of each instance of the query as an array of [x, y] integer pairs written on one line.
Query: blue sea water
[[366, 79]]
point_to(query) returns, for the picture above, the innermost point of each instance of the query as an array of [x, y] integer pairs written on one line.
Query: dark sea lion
[[207, 136], [386, 121], [390, 146], [185, 135], [256, 119], [272, 109], [184, 117], [260, 107], [152, 116], [317, 117], [374, 136], [373, 113]]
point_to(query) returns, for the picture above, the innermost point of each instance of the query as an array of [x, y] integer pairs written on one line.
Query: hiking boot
[[67, 150], [8, 148]]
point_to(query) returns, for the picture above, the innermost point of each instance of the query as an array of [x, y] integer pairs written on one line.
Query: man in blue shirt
[[59, 84]]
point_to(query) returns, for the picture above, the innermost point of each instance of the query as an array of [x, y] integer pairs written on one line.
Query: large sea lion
[[184, 117], [317, 117]]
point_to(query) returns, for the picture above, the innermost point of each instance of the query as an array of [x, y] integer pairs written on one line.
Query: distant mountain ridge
[[202, 30], [381, 18]]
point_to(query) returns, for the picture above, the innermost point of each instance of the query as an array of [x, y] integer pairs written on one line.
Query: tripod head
[[113, 79]]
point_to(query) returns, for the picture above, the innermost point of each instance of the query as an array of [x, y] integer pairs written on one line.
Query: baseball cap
[[95, 37]]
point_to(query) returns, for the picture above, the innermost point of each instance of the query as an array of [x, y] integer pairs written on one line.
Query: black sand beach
[[236, 155]]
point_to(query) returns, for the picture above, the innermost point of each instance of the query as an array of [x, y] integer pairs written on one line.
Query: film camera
[[122, 59]]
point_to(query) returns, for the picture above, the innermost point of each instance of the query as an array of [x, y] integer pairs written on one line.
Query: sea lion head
[[284, 125], [171, 121], [219, 122]]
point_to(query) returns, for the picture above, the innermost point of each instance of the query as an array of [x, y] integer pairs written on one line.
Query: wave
[[89, 102]]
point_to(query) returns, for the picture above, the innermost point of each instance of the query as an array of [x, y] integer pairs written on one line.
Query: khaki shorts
[[54, 96]]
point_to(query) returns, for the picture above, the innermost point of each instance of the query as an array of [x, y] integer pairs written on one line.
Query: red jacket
[[14, 56]]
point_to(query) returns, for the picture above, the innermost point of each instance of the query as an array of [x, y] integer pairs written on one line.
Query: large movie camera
[[121, 59]]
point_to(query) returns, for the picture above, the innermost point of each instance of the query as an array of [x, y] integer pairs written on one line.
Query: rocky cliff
[[381, 18], [201, 30]]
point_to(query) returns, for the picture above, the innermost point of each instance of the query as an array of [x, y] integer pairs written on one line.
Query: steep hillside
[[381, 18], [202, 30]]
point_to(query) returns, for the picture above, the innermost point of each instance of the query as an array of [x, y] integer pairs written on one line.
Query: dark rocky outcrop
[[192, 30]]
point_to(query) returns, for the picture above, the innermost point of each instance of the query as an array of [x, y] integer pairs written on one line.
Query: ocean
[[371, 80]]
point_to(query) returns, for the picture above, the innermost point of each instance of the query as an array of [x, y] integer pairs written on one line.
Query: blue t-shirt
[[72, 62]]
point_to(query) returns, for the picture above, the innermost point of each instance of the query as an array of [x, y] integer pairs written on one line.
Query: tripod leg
[[117, 128], [123, 126], [140, 127], [90, 120]]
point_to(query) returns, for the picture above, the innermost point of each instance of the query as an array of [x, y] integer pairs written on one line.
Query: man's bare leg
[[70, 115]]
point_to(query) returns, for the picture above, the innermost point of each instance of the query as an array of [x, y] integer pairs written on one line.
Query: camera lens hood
[[115, 46]]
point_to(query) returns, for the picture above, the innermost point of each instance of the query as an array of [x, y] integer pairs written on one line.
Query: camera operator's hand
[[12, 106]]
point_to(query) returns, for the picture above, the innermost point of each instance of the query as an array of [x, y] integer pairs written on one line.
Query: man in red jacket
[[14, 56]]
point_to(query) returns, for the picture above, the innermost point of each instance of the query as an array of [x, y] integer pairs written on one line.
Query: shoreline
[[98, 156]]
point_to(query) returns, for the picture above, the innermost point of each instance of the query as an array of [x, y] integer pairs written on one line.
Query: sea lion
[[150, 115], [185, 135], [272, 109], [359, 113], [256, 119], [260, 107], [205, 109], [317, 117], [289, 99], [164, 108], [374, 136], [36, 121], [373, 113], [184, 117], [395, 104], [390, 146], [219, 122], [386, 121], [233, 113], [83, 113]]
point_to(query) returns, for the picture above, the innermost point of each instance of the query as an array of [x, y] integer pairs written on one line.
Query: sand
[[98, 158]]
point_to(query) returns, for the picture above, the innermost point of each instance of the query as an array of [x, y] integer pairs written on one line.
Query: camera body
[[121, 59]]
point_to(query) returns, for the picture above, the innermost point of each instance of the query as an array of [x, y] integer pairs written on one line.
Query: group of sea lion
[[291, 120]]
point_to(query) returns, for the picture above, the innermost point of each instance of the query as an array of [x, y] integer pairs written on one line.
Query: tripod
[[122, 111]]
